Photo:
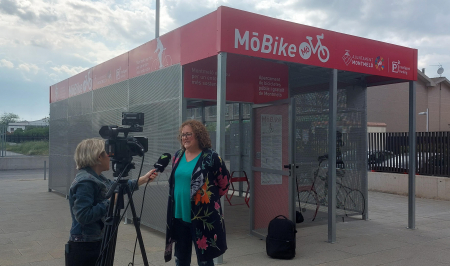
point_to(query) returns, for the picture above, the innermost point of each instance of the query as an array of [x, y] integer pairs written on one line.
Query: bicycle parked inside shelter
[[313, 193]]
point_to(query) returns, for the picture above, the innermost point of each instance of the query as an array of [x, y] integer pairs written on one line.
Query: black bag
[[299, 217], [280, 240], [298, 214]]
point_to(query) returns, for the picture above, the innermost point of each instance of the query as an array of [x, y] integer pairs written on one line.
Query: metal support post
[[292, 147], [332, 157], [412, 157], [241, 146], [220, 129]]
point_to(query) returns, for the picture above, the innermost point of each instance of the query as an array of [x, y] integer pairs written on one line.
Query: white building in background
[[24, 124]]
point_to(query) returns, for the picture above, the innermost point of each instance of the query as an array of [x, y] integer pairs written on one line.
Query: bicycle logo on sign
[[305, 49]]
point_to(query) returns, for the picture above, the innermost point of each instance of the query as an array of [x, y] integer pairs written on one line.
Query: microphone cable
[[142, 208], [126, 208], [140, 214]]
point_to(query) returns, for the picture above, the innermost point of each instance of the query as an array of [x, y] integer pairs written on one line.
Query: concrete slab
[[35, 223]]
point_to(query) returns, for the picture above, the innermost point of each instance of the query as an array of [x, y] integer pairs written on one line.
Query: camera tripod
[[112, 221]]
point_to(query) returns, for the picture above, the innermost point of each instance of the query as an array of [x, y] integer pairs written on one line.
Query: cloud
[[28, 71], [59, 39], [6, 63], [17, 8], [69, 70]]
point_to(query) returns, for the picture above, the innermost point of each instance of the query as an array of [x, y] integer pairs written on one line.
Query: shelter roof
[[243, 33]]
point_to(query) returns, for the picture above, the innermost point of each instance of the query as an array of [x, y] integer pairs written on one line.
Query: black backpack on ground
[[280, 240]]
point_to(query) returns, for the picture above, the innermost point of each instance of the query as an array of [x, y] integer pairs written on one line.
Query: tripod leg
[[110, 234], [107, 233], [137, 224], [113, 238]]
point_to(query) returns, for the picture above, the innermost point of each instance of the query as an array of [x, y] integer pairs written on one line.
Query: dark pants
[[82, 253], [183, 246]]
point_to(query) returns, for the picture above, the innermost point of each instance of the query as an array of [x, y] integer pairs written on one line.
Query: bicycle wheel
[[308, 204], [340, 197], [354, 203]]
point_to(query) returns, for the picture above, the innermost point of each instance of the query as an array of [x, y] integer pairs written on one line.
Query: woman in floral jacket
[[194, 214]]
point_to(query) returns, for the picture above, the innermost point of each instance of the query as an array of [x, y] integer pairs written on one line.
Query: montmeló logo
[[347, 58], [357, 60], [278, 45]]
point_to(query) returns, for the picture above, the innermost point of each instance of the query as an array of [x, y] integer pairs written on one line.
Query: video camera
[[121, 149]]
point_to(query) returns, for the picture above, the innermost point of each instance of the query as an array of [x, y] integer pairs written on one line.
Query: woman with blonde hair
[[88, 204], [199, 178]]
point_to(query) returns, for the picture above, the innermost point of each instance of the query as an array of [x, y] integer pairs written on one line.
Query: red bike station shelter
[[233, 56]]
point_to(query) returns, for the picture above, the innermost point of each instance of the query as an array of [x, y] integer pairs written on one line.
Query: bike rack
[[238, 179]]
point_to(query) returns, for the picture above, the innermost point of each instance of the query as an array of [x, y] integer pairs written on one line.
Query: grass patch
[[29, 148]]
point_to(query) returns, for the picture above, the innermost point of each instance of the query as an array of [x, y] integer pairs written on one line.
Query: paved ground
[[10, 153], [34, 226]]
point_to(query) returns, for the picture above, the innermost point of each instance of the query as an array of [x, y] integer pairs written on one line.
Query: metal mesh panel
[[157, 95], [59, 110], [111, 97], [312, 141], [156, 86], [58, 147], [234, 147], [58, 132], [80, 104], [234, 151], [80, 127], [246, 147], [106, 118], [59, 170]]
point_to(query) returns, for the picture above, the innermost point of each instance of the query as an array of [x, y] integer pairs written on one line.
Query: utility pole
[[157, 20]]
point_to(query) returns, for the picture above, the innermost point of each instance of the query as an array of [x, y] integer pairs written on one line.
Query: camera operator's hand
[[148, 177]]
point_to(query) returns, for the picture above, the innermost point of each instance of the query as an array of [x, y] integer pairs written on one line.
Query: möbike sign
[[278, 46], [260, 36], [80, 83]]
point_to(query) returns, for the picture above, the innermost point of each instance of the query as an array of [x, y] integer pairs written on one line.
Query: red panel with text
[[248, 79], [111, 71], [156, 54], [59, 91]]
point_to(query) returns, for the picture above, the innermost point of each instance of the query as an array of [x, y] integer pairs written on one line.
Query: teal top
[[182, 190]]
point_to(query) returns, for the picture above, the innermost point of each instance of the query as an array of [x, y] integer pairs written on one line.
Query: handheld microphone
[[162, 162]]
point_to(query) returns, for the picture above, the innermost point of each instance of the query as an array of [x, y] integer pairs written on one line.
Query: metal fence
[[388, 152], [2, 140], [19, 139]]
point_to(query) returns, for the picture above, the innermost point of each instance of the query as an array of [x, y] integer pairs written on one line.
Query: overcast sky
[[43, 42]]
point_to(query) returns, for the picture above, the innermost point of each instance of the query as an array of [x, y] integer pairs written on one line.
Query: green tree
[[7, 118]]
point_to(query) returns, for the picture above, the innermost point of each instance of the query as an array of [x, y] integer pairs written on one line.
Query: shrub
[[30, 148]]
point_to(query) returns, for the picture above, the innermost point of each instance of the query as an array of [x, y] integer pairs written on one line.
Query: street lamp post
[[425, 113], [157, 19]]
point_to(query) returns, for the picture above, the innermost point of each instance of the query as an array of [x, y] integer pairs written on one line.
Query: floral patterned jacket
[[210, 181]]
